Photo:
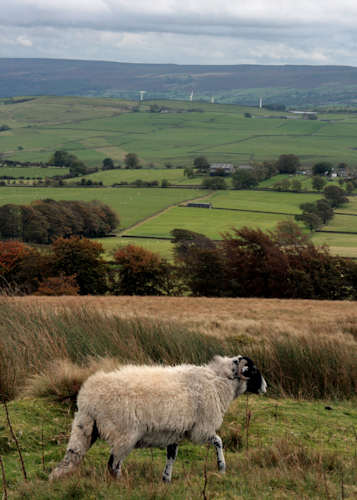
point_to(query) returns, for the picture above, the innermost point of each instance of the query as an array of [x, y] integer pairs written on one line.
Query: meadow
[[132, 205], [33, 172], [298, 441], [97, 128], [173, 176]]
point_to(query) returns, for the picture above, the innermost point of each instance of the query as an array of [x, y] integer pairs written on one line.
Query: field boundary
[[159, 212]]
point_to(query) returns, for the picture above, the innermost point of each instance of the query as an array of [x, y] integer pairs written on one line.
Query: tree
[[324, 210], [335, 195], [213, 183], [287, 163], [318, 182], [189, 172], [283, 185], [322, 168], [140, 272], [131, 160], [201, 164], [108, 164], [82, 258], [58, 285], [244, 179], [311, 220], [296, 185]]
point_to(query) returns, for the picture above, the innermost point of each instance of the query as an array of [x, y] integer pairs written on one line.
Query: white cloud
[[195, 31], [23, 41]]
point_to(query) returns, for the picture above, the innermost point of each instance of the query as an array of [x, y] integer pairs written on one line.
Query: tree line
[[43, 221], [282, 263]]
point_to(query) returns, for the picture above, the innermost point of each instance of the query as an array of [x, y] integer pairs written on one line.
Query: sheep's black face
[[255, 383]]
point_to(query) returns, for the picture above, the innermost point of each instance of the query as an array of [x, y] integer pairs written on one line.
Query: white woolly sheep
[[157, 406]]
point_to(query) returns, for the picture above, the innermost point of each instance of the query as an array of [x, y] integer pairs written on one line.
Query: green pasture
[[132, 205], [97, 128], [33, 172], [287, 449], [174, 176], [346, 223], [305, 180], [269, 201], [212, 223], [339, 244]]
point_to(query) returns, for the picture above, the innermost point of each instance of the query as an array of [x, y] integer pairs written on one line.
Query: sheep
[[157, 406]]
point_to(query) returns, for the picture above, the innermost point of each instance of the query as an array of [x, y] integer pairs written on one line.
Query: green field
[[97, 128], [212, 223], [33, 172], [132, 205], [262, 200], [291, 449], [174, 176]]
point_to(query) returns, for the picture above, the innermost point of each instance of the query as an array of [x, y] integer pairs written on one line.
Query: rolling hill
[[290, 85]]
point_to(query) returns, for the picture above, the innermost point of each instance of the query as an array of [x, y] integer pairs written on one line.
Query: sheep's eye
[[235, 361]]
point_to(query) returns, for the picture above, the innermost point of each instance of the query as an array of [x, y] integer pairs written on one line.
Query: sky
[[182, 31]]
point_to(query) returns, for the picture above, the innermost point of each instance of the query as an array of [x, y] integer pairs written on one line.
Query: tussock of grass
[[62, 379]]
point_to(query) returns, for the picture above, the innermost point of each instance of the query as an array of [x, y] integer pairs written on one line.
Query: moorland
[[297, 441]]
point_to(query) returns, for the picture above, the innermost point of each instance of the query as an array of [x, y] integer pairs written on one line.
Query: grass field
[[132, 205], [33, 172], [209, 222], [276, 446], [174, 176], [262, 200], [96, 128]]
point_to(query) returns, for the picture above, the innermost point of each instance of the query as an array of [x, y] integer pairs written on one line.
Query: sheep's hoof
[[166, 479]]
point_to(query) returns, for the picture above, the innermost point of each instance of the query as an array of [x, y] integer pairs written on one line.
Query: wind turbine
[[142, 92], [212, 100], [191, 96], [260, 103]]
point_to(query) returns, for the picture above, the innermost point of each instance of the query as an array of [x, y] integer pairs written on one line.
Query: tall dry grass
[[319, 360]]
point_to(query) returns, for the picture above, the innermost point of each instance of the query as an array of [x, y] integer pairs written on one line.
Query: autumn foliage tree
[[82, 258], [141, 272], [21, 267], [45, 220]]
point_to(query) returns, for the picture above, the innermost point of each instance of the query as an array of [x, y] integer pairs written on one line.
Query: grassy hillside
[[287, 449], [97, 128], [291, 85], [275, 446]]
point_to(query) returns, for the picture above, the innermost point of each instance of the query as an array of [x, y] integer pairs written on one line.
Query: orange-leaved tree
[[81, 257], [141, 272]]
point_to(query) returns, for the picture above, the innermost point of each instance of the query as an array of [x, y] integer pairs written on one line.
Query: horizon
[[177, 64]]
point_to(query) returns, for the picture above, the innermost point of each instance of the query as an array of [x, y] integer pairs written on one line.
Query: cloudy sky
[[182, 32]]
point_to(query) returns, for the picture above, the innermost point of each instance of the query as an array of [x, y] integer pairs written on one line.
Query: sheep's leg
[[171, 455], [217, 443], [119, 451], [84, 433]]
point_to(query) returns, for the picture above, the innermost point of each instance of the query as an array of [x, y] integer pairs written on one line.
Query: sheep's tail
[[84, 433]]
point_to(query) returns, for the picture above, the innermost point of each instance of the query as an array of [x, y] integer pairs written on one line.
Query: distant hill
[[290, 85]]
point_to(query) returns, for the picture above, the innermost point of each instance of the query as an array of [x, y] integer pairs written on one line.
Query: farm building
[[221, 169], [199, 205]]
